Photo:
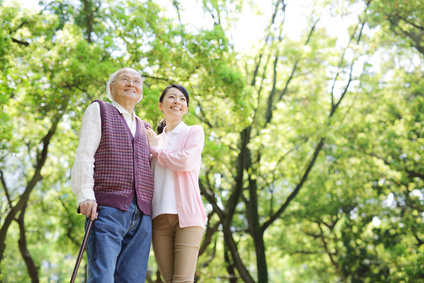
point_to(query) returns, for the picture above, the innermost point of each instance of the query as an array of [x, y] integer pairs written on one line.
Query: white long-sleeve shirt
[[164, 197], [89, 140]]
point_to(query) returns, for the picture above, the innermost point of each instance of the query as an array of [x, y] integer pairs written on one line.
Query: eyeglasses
[[128, 80]]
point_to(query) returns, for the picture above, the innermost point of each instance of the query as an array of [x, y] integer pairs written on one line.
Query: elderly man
[[112, 170]]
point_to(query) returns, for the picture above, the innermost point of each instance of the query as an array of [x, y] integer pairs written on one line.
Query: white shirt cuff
[[84, 195]]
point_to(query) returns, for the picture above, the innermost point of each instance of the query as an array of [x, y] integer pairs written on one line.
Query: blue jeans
[[118, 246]]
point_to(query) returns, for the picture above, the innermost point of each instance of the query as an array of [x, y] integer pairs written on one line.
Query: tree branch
[[298, 187], [211, 200], [210, 231], [24, 43], [330, 255], [270, 105], [6, 190]]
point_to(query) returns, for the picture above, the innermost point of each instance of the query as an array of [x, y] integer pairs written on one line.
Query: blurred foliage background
[[313, 164]]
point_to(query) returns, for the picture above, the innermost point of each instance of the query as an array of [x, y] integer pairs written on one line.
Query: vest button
[[126, 206]]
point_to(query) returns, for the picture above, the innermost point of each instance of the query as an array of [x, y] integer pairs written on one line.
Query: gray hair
[[112, 79]]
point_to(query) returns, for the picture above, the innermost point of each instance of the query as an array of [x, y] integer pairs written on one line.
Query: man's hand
[[89, 209]]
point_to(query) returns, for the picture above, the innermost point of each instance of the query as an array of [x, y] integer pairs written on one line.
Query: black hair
[[161, 125]]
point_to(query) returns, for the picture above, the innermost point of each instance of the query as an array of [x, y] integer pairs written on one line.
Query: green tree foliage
[[312, 169], [301, 125]]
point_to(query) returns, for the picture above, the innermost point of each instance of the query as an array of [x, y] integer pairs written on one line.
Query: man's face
[[127, 87]]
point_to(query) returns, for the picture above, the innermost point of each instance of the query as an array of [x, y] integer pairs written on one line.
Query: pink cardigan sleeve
[[189, 155]]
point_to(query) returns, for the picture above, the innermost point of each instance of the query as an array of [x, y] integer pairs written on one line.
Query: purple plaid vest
[[122, 163]]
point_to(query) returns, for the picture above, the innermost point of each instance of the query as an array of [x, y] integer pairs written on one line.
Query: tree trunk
[[256, 232], [40, 161], [230, 209], [26, 255], [230, 268], [232, 247]]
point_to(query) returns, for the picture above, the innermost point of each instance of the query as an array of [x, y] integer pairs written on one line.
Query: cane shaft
[[81, 251]]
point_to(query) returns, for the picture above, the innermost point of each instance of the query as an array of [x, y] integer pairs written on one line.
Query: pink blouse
[[185, 160]]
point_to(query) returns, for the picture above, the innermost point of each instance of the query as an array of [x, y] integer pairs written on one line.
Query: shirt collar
[[121, 109], [177, 129]]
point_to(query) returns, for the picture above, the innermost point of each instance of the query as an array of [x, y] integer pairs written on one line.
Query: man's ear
[[111, 88]]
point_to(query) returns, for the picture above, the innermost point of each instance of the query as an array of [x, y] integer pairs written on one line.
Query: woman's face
[[174, 104]]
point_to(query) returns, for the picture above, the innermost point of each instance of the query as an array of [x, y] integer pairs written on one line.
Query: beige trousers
[[176, 249]]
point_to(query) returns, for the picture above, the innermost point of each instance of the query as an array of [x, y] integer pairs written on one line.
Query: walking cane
[[83, 244]]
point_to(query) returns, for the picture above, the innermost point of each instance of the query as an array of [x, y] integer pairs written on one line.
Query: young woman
[[177, 209]]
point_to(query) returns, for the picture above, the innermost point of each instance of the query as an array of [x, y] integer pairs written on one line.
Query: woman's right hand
[[152, 138]]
